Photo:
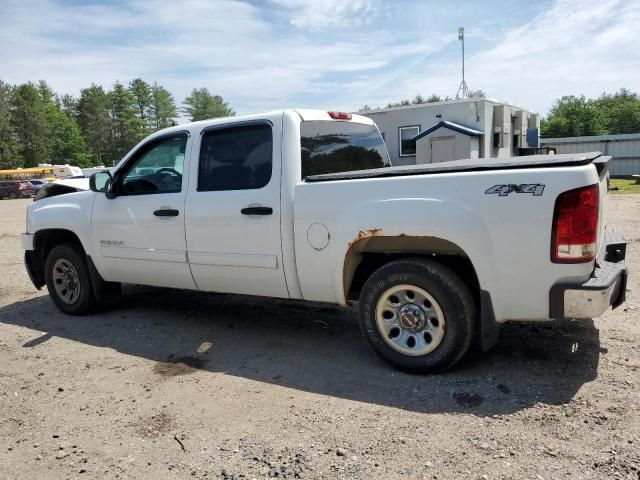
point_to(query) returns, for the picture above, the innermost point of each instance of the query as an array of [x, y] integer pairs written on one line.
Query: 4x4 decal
[[535, 189]]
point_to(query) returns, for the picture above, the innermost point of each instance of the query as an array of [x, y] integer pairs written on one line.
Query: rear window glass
[[332, 147], [236, 158]]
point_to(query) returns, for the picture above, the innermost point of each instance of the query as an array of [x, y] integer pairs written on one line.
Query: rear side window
[[332, 147], [236, 158]]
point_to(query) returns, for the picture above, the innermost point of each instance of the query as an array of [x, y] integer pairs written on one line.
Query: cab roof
[[304, 114]]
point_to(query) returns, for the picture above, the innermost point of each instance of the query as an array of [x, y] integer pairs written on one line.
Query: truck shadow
[[319, 349]]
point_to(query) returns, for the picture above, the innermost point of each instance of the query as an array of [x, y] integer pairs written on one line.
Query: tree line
[[419, 100], [609, 114], [100, 126], [97, 128]]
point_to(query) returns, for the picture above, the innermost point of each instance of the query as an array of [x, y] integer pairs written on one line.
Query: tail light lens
[[340, 115], [575, 226], [22, 186]]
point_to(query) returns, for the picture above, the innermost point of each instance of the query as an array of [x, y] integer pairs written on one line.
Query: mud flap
[[34, 268], [104, 292], [489, 328]]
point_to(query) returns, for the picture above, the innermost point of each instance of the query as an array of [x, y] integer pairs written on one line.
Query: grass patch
[[624, 186]]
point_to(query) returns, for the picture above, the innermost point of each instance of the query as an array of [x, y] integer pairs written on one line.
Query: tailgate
[[602, 166]]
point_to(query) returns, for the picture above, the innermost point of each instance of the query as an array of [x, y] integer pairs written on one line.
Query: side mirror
[[100, 182]]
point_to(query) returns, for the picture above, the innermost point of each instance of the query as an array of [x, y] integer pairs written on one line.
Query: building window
[[408, 146]]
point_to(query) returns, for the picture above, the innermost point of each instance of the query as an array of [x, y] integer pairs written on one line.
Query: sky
[[333, 54]]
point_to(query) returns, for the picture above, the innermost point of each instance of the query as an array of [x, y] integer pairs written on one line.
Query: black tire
[[85, 301], [13, 196], [453, 297]]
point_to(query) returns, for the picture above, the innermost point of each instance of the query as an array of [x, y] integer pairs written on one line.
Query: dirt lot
[[173, 384]]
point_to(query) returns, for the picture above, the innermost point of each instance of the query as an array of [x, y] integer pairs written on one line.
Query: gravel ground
[[174, 384]]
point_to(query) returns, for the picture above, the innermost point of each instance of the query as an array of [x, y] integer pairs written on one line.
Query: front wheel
[[417, 315], [68, 281]]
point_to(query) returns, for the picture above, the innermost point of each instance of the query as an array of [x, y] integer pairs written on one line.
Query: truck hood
[[62, 187]]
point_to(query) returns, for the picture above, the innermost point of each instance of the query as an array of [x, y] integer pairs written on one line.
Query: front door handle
[[257, 211], [166, 212]]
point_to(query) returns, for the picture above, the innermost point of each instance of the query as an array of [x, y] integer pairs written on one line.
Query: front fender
[[70, 212]]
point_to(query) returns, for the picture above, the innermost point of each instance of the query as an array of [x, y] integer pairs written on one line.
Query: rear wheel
[[13, 195], [417, 315], [68, 281]]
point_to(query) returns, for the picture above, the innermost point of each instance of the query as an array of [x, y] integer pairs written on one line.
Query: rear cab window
[[333, 147], [236, 157]]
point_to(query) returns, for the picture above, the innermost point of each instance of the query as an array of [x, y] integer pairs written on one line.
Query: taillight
[[575, 226], [22, 186], [340, 115]]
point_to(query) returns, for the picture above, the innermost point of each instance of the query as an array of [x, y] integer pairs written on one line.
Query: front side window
[[156, 168], [332, 147], [236, 158], [408, 146]]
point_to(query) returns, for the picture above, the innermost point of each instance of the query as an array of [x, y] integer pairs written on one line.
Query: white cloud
[[575, 47], [321, 14], [226, 45], [317, 56]]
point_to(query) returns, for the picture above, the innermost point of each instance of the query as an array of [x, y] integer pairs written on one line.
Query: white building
[[478, 127]]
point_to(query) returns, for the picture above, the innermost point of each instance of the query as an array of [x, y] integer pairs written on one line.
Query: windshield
[[332, 147]]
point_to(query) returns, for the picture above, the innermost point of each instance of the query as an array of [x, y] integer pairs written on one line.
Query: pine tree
[[93, 118], [30, 123], [68, 105], [141, 95], [126, 127], [163, 107], [9, 147], [46, 94], [201, 105]]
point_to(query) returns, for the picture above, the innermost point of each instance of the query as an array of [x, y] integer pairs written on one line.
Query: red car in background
[[16, 190]]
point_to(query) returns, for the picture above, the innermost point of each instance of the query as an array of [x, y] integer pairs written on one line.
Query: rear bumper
[[606, 287]]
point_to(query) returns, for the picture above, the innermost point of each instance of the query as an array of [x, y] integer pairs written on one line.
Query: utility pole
[[463, 89]]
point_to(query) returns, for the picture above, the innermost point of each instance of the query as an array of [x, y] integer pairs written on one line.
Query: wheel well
[[366, 256], [45, 240], [372, 252]]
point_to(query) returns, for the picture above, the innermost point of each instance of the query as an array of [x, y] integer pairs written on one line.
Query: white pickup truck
[[304, 204]]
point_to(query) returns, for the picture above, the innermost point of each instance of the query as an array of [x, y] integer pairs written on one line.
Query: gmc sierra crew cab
[[305, 204]]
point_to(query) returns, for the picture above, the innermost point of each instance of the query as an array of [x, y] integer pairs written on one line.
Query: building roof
[[456, 127], [440, 104]]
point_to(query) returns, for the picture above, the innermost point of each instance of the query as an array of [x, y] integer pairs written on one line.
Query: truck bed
[[469, 165]]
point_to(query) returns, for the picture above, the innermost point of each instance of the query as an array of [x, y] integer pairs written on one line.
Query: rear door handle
[[257, 211], [166, 212]]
